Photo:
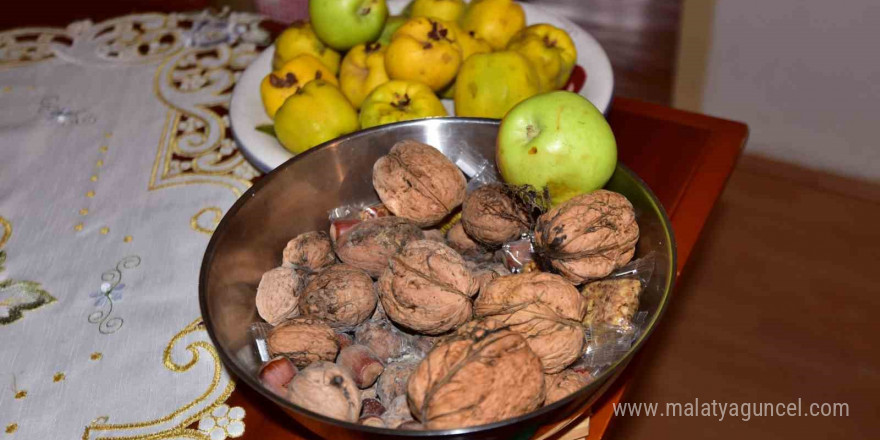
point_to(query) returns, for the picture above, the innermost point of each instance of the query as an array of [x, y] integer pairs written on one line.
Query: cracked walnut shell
[[303, 340], [588, 236], [481, 374], [427, 287], [416, 181], [341, 295], [612, 302], [545, 308], [368, 245]]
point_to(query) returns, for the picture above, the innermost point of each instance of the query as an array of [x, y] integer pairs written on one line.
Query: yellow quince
[[424, 50], [551, 52], [490, 84], [315, 114], [397, 101], [446, 10], [300, 39], [292, 76], [363, 69], [495, 21]]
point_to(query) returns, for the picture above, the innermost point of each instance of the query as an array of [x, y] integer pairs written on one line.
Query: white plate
[[263, 151]]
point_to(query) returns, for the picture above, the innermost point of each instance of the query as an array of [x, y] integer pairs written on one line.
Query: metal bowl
[[296, 198]]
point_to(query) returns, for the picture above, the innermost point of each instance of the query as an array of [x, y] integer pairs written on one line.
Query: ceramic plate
[[592, 78]]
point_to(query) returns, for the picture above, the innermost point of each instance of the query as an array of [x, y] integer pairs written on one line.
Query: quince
[[491, 84], [315, 114], [495, 21], [300, 39], [424, 50], [551, 52], [280, 84], [397, 101], [363, 69]]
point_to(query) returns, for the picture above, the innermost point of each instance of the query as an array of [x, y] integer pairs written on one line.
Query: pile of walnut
[[446, 337]]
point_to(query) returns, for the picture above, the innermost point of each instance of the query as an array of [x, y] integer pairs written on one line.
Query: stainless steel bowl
[[296, 198]]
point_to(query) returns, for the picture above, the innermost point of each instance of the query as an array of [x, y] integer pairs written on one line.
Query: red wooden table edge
[[690, 213]]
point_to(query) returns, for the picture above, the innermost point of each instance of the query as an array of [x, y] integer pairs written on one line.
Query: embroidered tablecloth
[[116, 163]]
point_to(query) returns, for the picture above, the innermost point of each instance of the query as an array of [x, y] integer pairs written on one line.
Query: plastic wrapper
[[342, 218], [477, 169], [612, 323], [519, 255]]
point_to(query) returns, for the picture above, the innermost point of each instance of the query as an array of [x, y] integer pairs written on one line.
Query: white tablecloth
[[116, 163]]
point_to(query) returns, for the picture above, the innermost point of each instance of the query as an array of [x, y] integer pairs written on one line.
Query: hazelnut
[[392, 382], [417, 182], [386, 341], [397, 413], [364, 365], [427, 287], [277, 373]]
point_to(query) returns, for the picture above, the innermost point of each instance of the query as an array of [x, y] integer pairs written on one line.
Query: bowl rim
[[611, 372]]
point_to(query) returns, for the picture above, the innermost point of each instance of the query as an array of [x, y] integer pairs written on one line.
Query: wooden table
[[684, 157]]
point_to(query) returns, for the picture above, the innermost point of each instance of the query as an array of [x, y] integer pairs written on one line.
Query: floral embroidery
[[17, 296], [96, 356], [223, 422], [110, 292], [58, 377], [53, 112], [11, 428]]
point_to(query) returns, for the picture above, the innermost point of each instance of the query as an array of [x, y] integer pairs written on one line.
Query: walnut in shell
[[427, 287], [380, 336], [566, 382], [612, 301], [486, 272], [278, 294], [492, 216], [326, 389], [545, 308], [417, 182], [341, 295], [458, 239], [303, 340], [482, 374], [368, 245], [311, 251], [588, 236]]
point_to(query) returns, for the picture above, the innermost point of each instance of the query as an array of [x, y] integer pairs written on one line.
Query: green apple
[[559, 141], [343, 24]]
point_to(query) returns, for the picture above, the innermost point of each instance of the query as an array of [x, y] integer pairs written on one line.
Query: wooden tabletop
[[684, 157]]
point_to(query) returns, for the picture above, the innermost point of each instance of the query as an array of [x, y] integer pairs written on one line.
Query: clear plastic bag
[[342, 218], [519, 255], [613, 322]]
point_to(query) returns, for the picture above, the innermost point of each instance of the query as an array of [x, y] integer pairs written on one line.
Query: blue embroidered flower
[[107, 292]]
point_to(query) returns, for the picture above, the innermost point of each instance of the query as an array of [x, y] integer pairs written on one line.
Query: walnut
[[342, 295], [386, 341], [326, 389], [397, 412], [492, 216], [417, 182], [278, 294], [435, 235], [427, 288], [481, 374], [612, 302], [374, 421], [368, 245], [303, 340], [588, 236], [566, 382], [364, 366], [458, 239], [545, 308], [484, 273], [311, 251], [392, 382]]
